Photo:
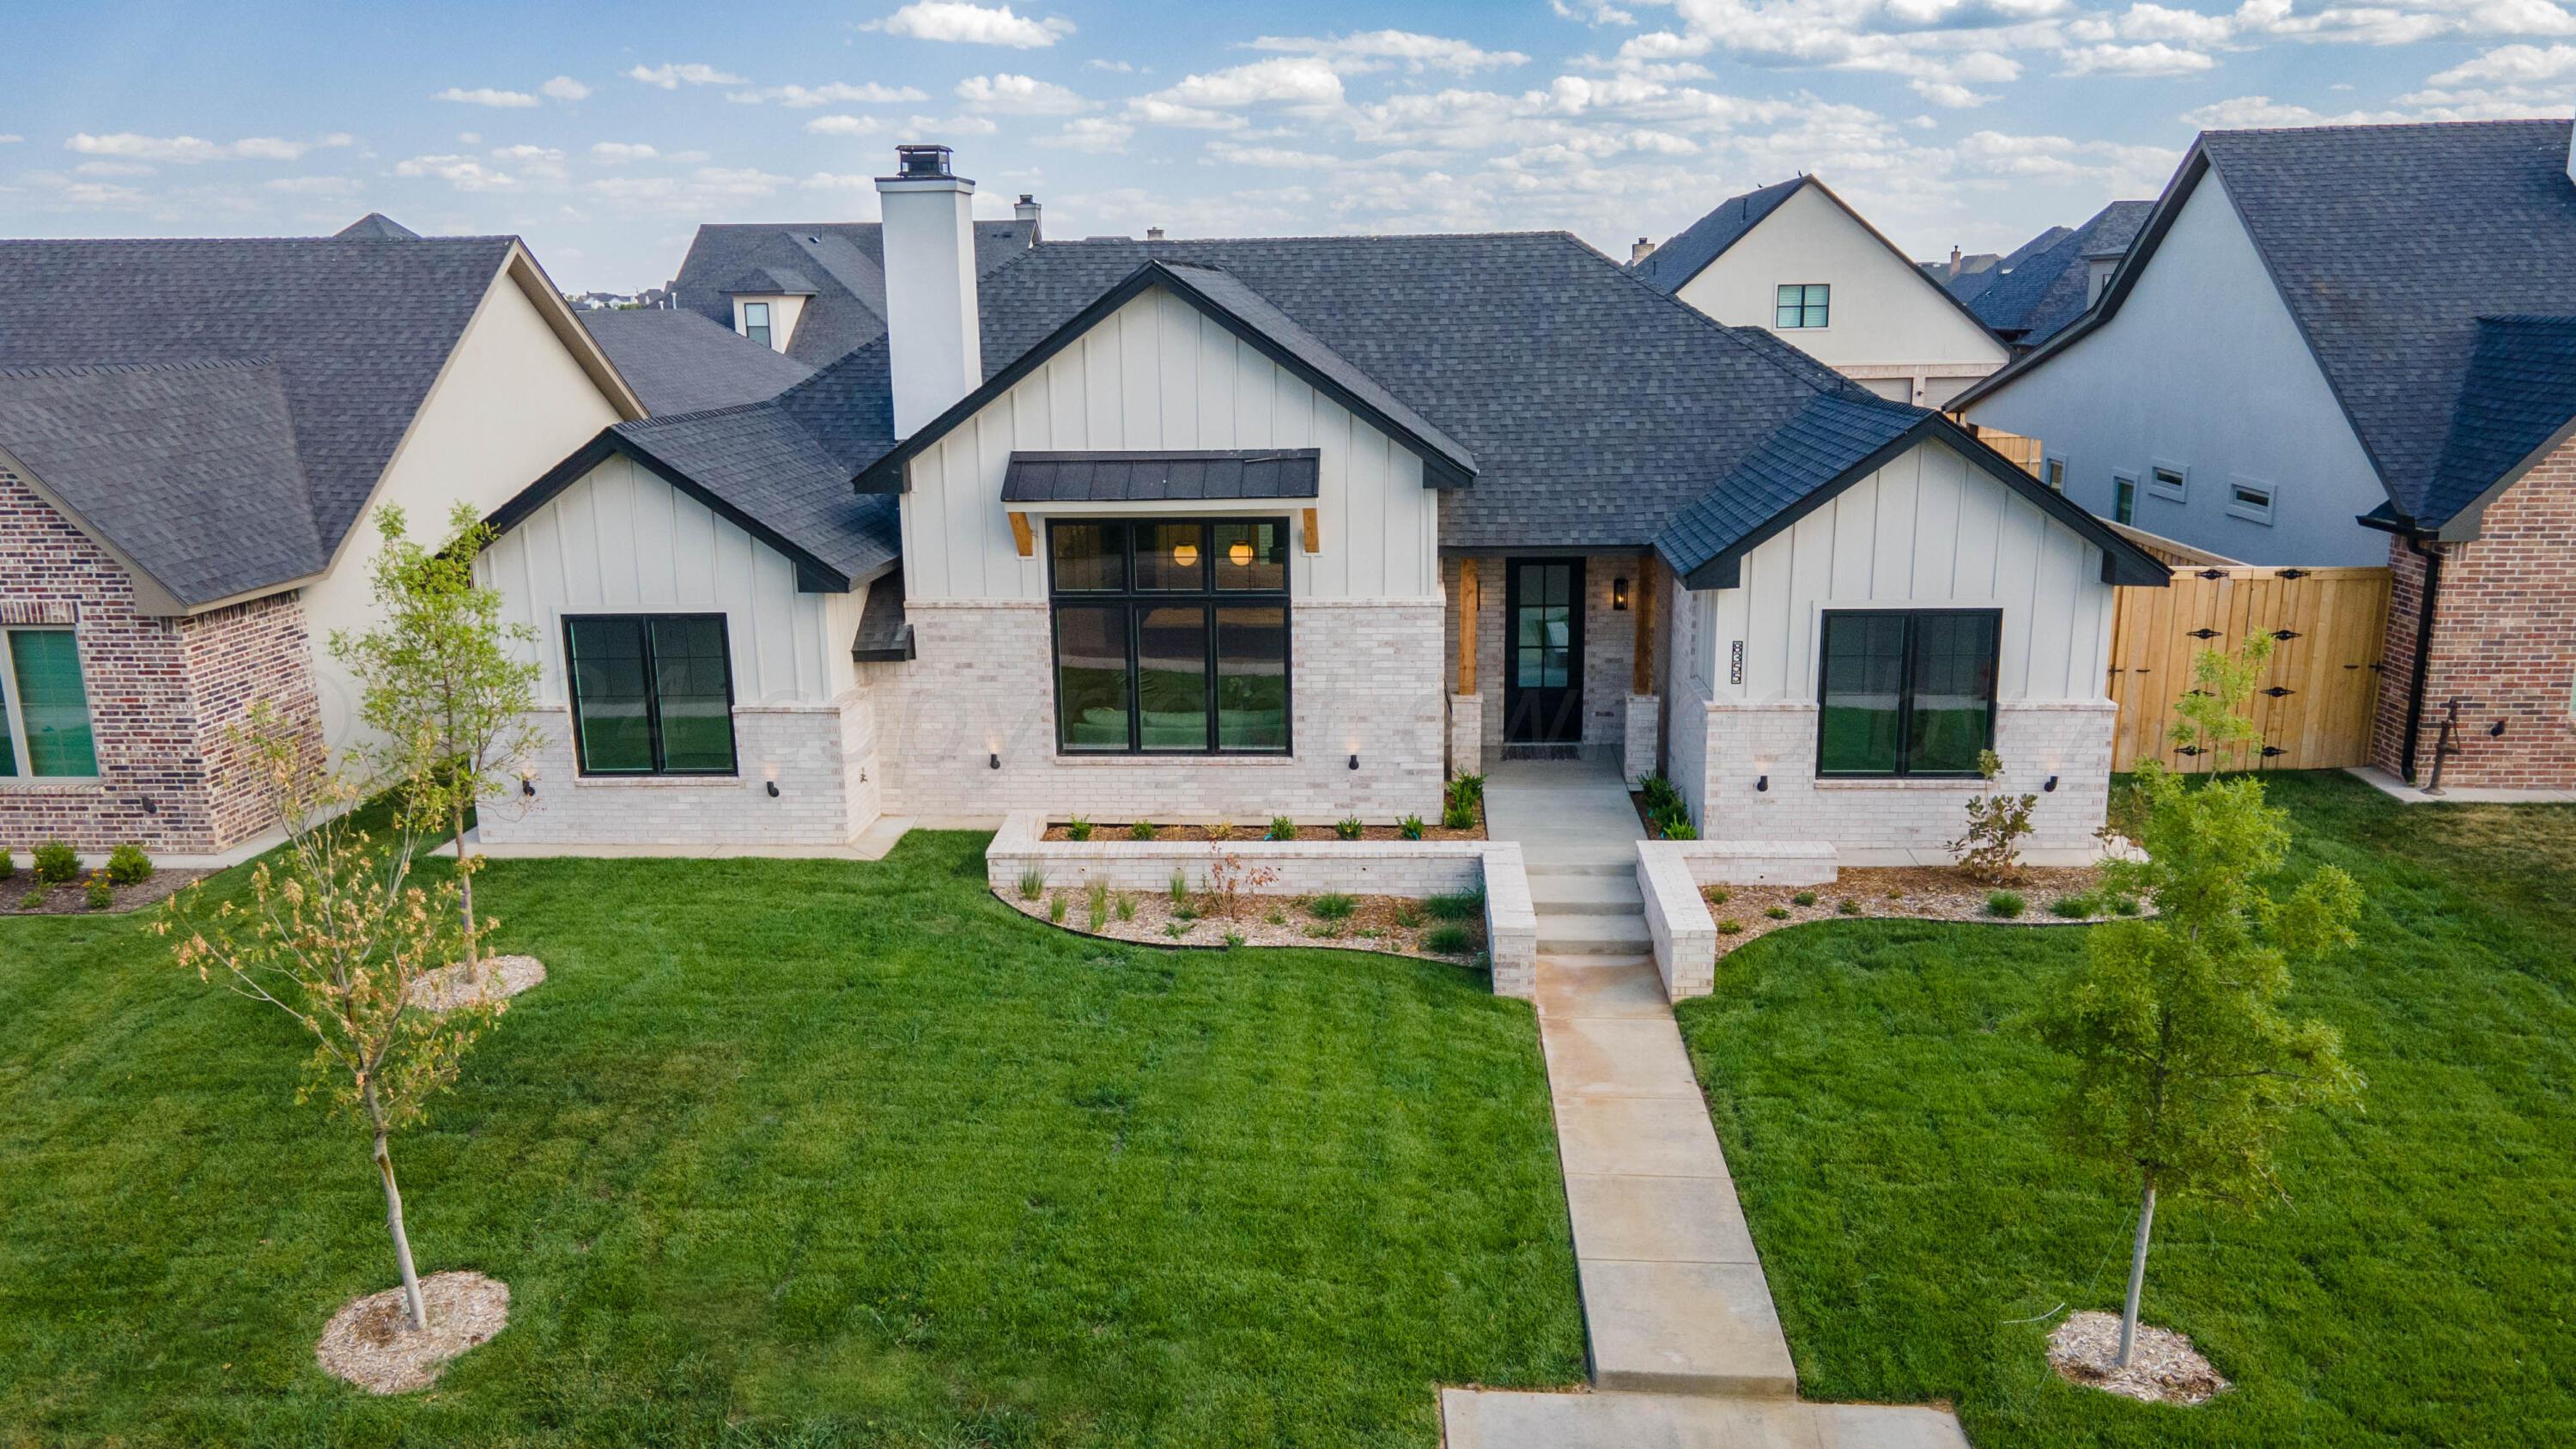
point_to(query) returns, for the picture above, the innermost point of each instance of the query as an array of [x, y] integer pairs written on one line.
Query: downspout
[[2423, 647]]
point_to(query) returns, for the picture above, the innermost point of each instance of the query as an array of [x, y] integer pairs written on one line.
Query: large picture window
[[1171, 637], [1907, 692], [44, 710], [652, 694]]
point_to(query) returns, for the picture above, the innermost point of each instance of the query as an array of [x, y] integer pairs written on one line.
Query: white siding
[[2204, 368], [1158, 374], [622, 540]]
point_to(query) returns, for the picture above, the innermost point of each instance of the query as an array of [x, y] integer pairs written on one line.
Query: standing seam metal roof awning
[[1161, 477]]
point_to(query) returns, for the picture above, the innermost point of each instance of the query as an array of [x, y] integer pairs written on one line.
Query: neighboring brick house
[[192, 434]]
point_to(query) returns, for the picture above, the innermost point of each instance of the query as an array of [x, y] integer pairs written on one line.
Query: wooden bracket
[[1314, 537], [1023, 536]]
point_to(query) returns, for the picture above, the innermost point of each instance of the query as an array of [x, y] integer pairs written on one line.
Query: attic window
[[755, 322], [1804, 304]]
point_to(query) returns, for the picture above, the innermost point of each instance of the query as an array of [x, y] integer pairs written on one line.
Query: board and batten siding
[[1158, 374], [1927, 530], [620, 540]]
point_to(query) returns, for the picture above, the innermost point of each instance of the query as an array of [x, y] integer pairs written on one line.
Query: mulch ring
[[372, 1344], [2163, 1366], [1245, 834], [450, 987], [1375, 923], [1915, 893], [71, 898]]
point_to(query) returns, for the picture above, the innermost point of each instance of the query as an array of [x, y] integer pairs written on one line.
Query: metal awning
[[1161, 477]]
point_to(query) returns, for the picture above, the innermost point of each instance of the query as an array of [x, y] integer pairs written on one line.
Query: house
[[1795, 259], [1230, 529], [2055, 276], [2345, 345], [192, 436], [1964, 277]]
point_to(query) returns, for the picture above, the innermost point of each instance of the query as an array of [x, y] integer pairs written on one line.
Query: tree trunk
[[394, 1222], [2138, 1268], [465, 893]]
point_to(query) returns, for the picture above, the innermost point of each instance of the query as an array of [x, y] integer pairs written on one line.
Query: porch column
[[1466, 706], [1642, 752]]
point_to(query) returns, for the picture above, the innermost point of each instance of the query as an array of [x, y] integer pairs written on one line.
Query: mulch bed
[[372, 1344], [71, 898], [2163, 1366], [1916, 893], [1376, 923], [1103, 834]]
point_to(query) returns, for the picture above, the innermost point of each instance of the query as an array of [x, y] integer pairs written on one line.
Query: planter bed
[[1248, 834], [71, 898], [1915, 893], [1373, 924]]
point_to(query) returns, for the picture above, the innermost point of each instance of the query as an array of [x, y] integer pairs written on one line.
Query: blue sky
[[604, 133]]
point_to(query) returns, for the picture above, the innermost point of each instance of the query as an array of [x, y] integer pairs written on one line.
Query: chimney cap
[[922, 162], [1153, 233], [1028, 198]]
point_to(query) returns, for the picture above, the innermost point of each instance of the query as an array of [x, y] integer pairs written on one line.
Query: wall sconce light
[[151, 806], [1619, 595], [1762, 785], [2051, 786], [528, 787], [1355, 762], [773, 789], [993, 761]]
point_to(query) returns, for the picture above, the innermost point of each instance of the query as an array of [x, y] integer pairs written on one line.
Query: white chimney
[[1027, 211], [933, 337], [1640, 251]]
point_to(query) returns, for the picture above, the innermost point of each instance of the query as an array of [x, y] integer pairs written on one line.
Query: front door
[[1543, 649]]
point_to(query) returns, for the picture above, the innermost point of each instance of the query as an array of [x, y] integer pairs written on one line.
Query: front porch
[[1552, 655]]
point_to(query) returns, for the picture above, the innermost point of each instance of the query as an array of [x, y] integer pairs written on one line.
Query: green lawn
[[795, 1153], [1886, 1118]]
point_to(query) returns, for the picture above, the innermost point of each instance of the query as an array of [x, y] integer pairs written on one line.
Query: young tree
[[438, 665], [2187, 1072], [334, 936]]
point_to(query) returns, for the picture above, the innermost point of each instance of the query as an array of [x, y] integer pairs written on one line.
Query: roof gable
[[1669, 267], [2045, 291], [840, 264]]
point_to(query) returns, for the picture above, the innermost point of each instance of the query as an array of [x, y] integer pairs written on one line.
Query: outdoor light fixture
[[1186, 555], [1239, 553], [1619, 595], [2051, 786], [773, 789], [151, 806], [1355, 762], [1762, 785], [993, 761]]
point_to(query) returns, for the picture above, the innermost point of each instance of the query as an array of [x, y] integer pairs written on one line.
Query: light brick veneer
[[1740, 744], [819, 755], [162, 692], [1640, 749], [1466, 734], [1677, 920], [1366, 681], [2504, 642], [1609, 645]]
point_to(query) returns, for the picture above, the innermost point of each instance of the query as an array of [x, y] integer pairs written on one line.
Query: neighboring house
[[2325, 337], [192, 436], [814, 290], [679, 362], [1964, 277], [1203, 529], [2049, 283], [1794, 259]]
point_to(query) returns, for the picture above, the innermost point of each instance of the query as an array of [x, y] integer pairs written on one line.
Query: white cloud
[[2155, 58], [1269, 157], [671, 77], [486, 96], [462, 172], [1303, 82], [834, 93], [622, 151], [1019, 95], [842, 125], [312, 185], [189, 150], [1118, 67], [1380, 49], [705, 189], [114, 168], [10, 138], [564, 88], [1591, 12], [1090, 133], [2247, 112], [971, 24], [2511, 65], [1949, 93]]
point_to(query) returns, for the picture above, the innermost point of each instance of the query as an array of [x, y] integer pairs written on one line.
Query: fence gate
[[2314, 707]]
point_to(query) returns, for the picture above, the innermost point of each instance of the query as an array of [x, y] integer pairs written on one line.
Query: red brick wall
[[161, 693], [2504, 642]]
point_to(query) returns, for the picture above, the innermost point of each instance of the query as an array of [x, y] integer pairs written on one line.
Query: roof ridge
[[102, 369]]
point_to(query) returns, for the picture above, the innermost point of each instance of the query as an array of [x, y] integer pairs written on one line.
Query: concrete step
[[1521, 1419], [1587, 895], [1572, 935], [1579, 860]]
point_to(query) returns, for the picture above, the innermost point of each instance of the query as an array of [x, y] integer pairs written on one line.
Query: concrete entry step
[[1549, 863], [1587, 895], [1586, 935], [1518, 1419]]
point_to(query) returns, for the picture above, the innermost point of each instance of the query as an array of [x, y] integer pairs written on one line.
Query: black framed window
[[1171, 636], [1804, 304], [755, 322], [2124, 499], [652, 694], [1906, 692]]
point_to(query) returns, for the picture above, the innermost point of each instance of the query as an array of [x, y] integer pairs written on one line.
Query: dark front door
[[1543, 651]]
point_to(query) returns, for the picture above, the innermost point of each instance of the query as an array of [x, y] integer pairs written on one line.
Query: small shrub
[[1233, 939], [1175, 930], [1126, 906], [1990, 849], [128, 865], [1348, 827], [1096, 904], [1179, 888], [1331, 906], [56, 862], [1777, 913], [1032, 883], [1186, 913], [2073, 908], [1409, 916], [1276, 917], [1370, 933], [1141, 830], [1458, 802], [1055, 908], [1077, 829], [1848, 906], [8, 863], [1222, 830], [1679, 829], [1410, 827], [1445, 940], [100, 895], [1719, 895], [1804, 898], [2006, 904], [1471, 788], [2124, 905], [1463, 906], [1282, 828], [34, 899], [1730, 926]]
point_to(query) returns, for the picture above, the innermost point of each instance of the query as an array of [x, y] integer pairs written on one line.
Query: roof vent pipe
[[933, 332]]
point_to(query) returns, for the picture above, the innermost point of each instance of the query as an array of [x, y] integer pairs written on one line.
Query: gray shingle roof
[[773, 281], [679, 362], [842, 261], [2519, 393], [356, 330], [2045, 291], [1150, 477], [1690, 251], [1824, 439], [188, 469]]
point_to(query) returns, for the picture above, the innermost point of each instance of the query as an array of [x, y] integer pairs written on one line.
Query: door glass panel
[[1091, 676], [1252, 679], [1864, 664], [1252, 556], [689, 681], [1171, 556], [608, 692], [1171, 679], [1088, 556], [1954, 677]]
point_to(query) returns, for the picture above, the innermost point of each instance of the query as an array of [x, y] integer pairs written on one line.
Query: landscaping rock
[[2163, 1368], [372, 1344], [449, 987]]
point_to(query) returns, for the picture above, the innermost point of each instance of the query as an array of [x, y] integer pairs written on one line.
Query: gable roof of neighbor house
[[2044, 291], [1967, 285], [838, 265], [353, 332], [1589, 409], [679, 362], [2387, 244]]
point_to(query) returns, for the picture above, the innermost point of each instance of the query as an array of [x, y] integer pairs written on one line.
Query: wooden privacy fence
[[2314, 706]]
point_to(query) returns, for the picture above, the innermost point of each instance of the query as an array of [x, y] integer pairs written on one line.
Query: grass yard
[[1888, 1125], [795, 1154]]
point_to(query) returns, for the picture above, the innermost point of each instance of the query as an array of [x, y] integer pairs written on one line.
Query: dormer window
[[755, 322]]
